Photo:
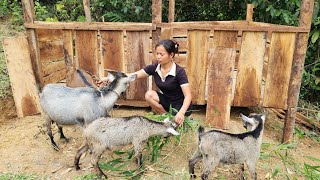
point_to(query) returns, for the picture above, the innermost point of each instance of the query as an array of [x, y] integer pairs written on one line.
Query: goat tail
[[200, 132], [84, 79]]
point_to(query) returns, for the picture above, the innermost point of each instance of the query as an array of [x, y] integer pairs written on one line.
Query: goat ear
[[166, 120], [172, 131], [110, 77], [263, 116], [247, 119]]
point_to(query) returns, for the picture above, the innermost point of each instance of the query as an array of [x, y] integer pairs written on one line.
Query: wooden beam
[[87, 12], [249, 12], [156, 11], [233, 26], [29, 17], [171, 11], [90, 25], [297, 68]]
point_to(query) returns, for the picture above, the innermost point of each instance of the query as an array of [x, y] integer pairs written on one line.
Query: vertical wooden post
[[297, 67], [249, 12], [171, 11], [29, 17], [156, 11], [87, 12]]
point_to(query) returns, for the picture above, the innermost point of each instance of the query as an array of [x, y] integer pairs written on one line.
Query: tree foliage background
[[284, 12]]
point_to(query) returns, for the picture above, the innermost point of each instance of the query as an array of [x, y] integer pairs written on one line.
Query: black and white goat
[[217, 146], [71, 106], [106, 133]]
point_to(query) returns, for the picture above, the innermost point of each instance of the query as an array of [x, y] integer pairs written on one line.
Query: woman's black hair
[[171, 46]]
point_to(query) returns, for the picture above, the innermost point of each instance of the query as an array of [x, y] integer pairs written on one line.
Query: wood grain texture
[[87, 50], [250, 65], [23, 84], [112, 50], [279, 70], [196, 67], [220, 70], [137, 57]]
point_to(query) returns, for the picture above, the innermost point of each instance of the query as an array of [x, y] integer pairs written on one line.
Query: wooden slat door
[[137, 56], [279, 70], [250, 65], [23, 83], [196, 68]]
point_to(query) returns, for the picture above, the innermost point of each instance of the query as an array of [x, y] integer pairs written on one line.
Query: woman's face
[[163, 57]]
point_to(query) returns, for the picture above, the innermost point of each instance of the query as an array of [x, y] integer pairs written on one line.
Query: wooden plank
[[166, 33], [196, 67], [55, 77], [135, 103], [279, 69], [51, 51], [156, 11], [112, 50], [87, 50], [220, 70], [68, 54], [249, 77], [23, 84], [225, 39], [52, 67], [181, 59], [45, 35], [297, 68], [233, 26], [135, 26], [137, 57]]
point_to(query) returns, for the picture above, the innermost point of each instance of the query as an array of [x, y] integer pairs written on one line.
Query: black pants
[[166, 105]]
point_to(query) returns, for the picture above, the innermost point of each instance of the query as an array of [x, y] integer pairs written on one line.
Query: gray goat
[[105, 133], [217, 146], [71, 106]]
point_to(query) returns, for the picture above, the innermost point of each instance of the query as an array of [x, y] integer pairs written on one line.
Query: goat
[[71, 106], [106, 133], [217, 146]]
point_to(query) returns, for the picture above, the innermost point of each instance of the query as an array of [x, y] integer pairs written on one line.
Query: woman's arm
[[140, 74], [186, 103]]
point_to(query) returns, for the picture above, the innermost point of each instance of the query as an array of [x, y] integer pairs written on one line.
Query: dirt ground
[[25, 148]]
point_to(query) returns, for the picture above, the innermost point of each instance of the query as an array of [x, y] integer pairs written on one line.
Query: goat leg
[[192, 162], [78, 155], [95, 159], [242, 172], [62, 136], [48, 122]]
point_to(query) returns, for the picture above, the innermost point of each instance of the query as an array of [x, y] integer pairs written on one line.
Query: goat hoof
[[55, 147], [193, 176], [77, 167]]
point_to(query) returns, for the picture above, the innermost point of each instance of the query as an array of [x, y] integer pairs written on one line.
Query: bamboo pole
[[87, 12], [297, 67], [29, 17]]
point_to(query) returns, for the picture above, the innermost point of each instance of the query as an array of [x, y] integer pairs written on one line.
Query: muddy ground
[[25, 149]]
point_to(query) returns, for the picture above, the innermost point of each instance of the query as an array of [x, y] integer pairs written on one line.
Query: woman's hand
[[103, 82], [179, 118]]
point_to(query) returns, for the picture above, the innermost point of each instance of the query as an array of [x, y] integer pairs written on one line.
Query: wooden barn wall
[[262, 61], [51, 54]]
